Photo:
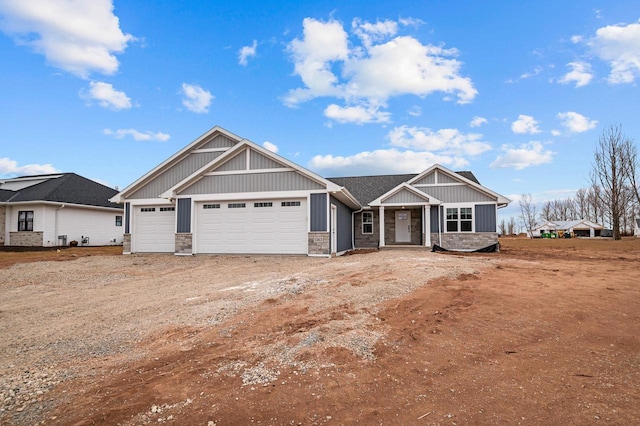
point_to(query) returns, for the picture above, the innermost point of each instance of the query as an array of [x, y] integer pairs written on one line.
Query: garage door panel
[[257, 228], [154, 229]]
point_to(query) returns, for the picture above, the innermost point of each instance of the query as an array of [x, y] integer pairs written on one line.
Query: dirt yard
[[545, 332]]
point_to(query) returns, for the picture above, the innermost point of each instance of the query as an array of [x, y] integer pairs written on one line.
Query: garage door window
[[211, 206], [237, 205], [148, 209], [167, 209], [290, 204], [268, 204]]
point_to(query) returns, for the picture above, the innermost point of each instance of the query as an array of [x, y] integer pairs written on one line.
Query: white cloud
[[411, 22], [369, 73], [381, 161], [196, 99], [576, 39], [580, 73], [356, 114], [477, 121], [247, 52], [270, 146], [555, 132], [77, 36], [576, 123], [620, 46], [9, 167], [526, 155], [138, 136], [536, 71], [446, 141], [107, 96], [415, 111], [525, 124]]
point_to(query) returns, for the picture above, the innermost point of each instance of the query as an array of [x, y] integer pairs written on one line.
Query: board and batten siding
[[318, 211], [218, 141], [485, 218], [433, 220], [184, 215], [345, 227], [259, 182], [444, 178], [403, 196], [426, 180], [456, 194], [258, 161], [239, 162], [127, 217], [175, 174]]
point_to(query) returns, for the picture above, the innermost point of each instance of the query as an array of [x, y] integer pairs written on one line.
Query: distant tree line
[[613, 197]]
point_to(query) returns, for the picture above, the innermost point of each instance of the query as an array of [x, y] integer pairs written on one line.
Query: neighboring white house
[[578, 228], [636, 231], [55, 209]]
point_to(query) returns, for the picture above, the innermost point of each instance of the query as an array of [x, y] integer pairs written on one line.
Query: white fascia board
[[150, 202], [405, 186], [178, 155], [500, 199]]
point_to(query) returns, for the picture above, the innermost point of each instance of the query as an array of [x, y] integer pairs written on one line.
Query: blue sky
[[517, 92]]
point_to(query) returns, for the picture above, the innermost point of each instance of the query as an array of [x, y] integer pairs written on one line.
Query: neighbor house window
[[118, 220], [25, 220], [367, 222], [460, 219]]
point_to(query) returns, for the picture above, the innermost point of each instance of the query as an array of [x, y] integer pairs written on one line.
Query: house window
[[25, 220], [290, 204], [367, 222], [118, 220], [167, 209], [268, 204], [460, 219], [236, 205], [211, 206]]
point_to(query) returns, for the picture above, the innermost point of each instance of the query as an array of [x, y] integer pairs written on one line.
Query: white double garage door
[[238, 227]]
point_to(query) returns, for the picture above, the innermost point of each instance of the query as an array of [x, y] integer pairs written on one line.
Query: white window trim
[[459, 206], [363, 223]]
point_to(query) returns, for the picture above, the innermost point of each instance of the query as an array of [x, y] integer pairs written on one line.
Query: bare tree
[[610, 173], [511, 227], [528, 214], [546, 211], [502, 228]]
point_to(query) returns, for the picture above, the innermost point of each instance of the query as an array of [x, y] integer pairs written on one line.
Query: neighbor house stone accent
[[3, 219], [126, 243], [184, 243], [26, 238], [319, 243], [465, 241]]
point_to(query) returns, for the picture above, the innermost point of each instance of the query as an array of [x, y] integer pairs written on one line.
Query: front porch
[[405, 226]]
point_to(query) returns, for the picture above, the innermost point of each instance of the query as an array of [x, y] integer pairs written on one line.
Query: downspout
[[353, 228], [439, 228]]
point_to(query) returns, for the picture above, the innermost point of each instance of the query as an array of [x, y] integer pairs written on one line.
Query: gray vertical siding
[[318, 212], [259, 182], [239, 162], [345, 226], [127, 217], [184, 215], [456, 194], [433, 220], [486, 218], [174, 174], [259, 161], [403, 196], [428, 179], [444, 178], [218, 141]]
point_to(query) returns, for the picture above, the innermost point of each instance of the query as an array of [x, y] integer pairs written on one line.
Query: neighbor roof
[[369, 188], [67, 188]]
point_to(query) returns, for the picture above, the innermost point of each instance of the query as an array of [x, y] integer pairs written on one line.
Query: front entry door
[[403, 226]]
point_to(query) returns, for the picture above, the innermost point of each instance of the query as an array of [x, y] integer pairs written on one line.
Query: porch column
[[381, 216], [426, 225]]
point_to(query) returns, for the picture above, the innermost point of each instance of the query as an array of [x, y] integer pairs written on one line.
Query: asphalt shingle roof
[[368, 188], [68, 188]]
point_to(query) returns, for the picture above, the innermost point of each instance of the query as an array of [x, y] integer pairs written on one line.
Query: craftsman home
[[574, 228], [55, 209], [225, 194]]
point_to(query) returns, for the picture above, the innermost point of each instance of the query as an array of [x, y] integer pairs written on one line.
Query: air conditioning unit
[[84, 241]]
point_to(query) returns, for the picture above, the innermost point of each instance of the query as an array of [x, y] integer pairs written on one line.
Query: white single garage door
[[154, 229], [252, 227]]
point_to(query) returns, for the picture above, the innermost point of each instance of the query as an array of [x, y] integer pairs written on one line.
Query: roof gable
[[404, 194]]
